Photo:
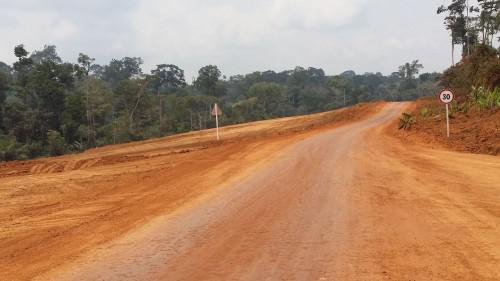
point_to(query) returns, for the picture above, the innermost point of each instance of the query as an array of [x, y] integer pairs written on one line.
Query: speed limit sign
[[446, 96]]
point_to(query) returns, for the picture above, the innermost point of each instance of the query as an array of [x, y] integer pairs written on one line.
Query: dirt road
[[348, 203]]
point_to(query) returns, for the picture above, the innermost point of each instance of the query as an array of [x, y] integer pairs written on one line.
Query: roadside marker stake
[[446, 96], [216, 112]]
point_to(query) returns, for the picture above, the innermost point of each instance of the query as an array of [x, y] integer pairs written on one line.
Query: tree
[[127, 97], [123, 69], [407, 73], [4, 87], [455, 21], [199, 108], [316, 76], [410, 70], [298, 77], [20, 51], [48, 53], [73, 118], [83, 70], [341, 83], [5, 68], [98, 106], [48, 82], [489, 19], [22, 122], [168, 77], [208, 76], [315, 99], [85, 65], [23, 66], [270, 99], [56, 143], [244, 110]]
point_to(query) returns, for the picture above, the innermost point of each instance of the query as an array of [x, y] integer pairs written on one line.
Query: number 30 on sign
[[446, 96]]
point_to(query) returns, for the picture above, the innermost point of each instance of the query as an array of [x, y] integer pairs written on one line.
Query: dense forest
[[51, 107]]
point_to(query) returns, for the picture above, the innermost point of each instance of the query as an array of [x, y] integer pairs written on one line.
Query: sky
[[239, 36]]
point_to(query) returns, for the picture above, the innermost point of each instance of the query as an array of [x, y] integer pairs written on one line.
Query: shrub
[[77, 146], [482, 98], [425, 112], [406, 121]]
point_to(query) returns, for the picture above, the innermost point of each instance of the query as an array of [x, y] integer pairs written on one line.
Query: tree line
[[51, 107]]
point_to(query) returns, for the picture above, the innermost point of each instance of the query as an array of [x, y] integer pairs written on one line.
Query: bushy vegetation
[[484, 99], [406, 120], [51, 107]]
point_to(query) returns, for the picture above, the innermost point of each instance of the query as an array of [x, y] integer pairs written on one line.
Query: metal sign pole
[[216, 112], [217, 120], [447, 122]]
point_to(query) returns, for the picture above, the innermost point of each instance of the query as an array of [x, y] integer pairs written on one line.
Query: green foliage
[[119, 70], [454, 107], [410, 70], [483, 99], [169, 77], [56, 144], [34, 149], [208, 76], [425, 112], [406, 121], [269, 101], [49, 81], [47, 54], [6, 141], [10, 149]]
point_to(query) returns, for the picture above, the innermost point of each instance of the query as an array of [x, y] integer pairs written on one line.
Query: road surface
[[350, 203]]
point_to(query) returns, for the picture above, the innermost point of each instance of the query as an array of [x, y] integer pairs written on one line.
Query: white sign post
[[216, 112], [446, 97]]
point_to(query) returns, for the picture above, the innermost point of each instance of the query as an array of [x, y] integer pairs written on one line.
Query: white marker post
[[216, 112], [446, 97]]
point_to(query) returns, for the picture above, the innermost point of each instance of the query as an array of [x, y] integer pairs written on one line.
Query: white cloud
[[239, 36], [210, 29], [34, 29], [61, 29], [316, 13]]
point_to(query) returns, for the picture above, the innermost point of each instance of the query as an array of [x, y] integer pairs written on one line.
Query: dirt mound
[[474, 131]]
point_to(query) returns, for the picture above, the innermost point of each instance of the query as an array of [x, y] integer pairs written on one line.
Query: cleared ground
[[322, 197]]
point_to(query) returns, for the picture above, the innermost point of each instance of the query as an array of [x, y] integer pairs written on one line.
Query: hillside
[[475, 131]]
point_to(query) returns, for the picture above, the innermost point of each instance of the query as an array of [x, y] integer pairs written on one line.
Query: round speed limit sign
[[446, 96]]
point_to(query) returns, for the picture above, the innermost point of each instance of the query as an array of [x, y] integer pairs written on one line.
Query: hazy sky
[[238, 36]]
